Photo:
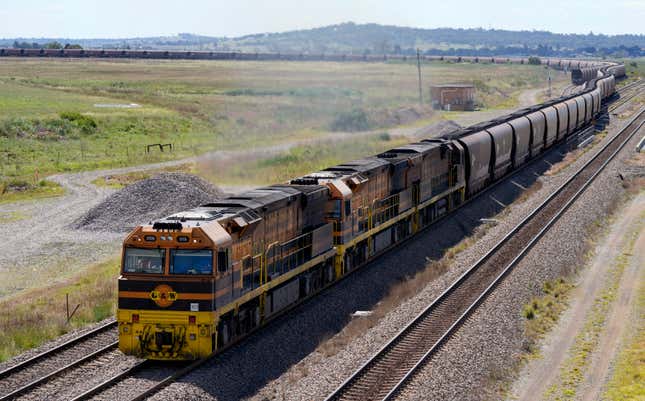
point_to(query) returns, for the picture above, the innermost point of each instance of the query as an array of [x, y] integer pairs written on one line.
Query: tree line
[[48, 45]]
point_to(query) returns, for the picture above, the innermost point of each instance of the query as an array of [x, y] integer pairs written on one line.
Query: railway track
[[627, 93], [385, 375], [38, 370]]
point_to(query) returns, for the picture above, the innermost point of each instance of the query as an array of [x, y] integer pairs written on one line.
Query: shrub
[[86, 123], [529, 312], [535, 61], [354, 120], [384, 136], [15, 185]]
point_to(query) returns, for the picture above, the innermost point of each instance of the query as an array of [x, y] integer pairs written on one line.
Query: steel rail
[[43, 379], [362, 372], [112, 381], [628, 95]]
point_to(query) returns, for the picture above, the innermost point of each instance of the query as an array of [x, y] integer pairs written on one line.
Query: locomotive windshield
[[150, 261], [190, 261]]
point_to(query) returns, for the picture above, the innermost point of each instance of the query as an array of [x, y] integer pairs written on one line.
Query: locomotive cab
[[167, 290]]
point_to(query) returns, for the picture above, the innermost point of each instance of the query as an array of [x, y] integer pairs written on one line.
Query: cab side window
[[222, 261]]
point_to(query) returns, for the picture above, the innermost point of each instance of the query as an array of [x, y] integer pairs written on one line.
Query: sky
[[138, 18]]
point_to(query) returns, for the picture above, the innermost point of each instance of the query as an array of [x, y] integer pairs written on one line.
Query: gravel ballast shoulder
[[146, 200], [283, 361]]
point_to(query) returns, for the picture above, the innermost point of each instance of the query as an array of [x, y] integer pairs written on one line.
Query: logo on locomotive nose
[[163, 295]]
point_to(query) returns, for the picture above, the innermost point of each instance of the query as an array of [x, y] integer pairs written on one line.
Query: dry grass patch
[[119, 181], [628, 379], [530, 191], [543, 312]]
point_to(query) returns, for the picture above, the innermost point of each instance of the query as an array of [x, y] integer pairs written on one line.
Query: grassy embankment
[[628, 378], [30, 318], [203, 106]]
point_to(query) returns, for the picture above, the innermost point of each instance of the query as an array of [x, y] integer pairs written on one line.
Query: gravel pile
[[147, 200], [438, 129]]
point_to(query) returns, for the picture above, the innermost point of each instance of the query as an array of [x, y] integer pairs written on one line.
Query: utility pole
[[549, 79], [419, 69]]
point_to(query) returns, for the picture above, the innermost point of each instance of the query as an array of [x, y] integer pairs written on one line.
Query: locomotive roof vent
[[167, 226], [194, 215]]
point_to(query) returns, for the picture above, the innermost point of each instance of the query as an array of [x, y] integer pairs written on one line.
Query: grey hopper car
[[572, 106], [582, 109], [503, 147], [538, 131], [478, 159], [522, 130], [551, 117]]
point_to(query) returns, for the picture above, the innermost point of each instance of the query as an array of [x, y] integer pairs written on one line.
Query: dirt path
[[525, 99], [542, 373]]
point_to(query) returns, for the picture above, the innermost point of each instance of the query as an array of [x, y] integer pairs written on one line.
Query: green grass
[[202, 106], [628, 379], [42, 189], [635, 69], [543, 312], [31, 318], [294, 162]]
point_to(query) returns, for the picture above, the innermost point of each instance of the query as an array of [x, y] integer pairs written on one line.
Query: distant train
[[568, 64], [581, 75], [198, 280]]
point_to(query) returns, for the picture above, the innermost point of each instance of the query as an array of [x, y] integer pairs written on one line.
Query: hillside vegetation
[[379, 39]]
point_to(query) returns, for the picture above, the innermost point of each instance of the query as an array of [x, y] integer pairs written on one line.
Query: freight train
[[568, 64], [583, 74], [197, 280]]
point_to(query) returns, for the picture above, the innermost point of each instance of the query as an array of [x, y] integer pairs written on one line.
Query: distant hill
[[374, 38], [378, 39]]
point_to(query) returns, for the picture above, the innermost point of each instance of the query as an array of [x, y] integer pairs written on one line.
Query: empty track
[[627, 93], [39, 369], [384, 376]]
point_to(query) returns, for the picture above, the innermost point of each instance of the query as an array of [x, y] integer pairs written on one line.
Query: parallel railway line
[[627, 93], [385, 375]]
